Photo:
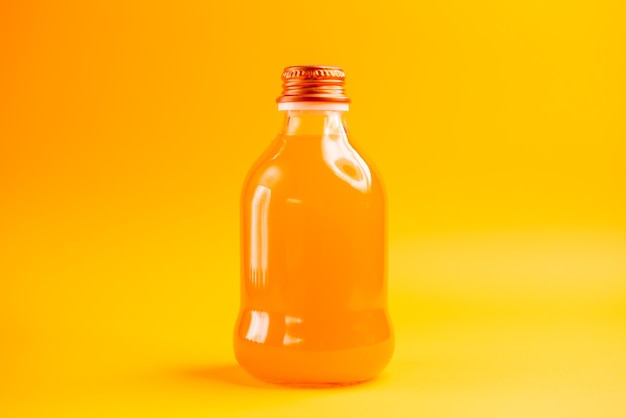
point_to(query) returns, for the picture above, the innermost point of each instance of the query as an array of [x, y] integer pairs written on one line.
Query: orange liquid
[[313, 291]]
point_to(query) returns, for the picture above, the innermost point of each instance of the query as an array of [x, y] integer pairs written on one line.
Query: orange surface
[[126, 130], [314, 284]]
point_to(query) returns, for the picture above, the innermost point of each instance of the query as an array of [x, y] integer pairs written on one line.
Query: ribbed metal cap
[[313, 83]]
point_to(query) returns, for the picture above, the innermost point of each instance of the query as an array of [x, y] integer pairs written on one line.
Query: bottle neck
[[314, 122]]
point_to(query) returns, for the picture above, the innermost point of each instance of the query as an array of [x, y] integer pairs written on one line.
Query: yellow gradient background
[[127, 127]]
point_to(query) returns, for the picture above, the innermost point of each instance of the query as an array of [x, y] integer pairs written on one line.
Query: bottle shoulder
[[263, 161], [314, 162]]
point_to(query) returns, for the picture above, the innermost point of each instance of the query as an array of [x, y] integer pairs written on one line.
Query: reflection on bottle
[[259, 325], [345, 162], [292, 125], [259, 236], [290, 323]]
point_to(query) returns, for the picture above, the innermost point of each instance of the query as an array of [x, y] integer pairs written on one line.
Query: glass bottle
[[313, 255]]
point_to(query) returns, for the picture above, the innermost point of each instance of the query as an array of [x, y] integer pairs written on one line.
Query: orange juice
[[313, 266]]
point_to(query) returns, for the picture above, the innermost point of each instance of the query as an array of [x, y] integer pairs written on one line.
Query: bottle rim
[[304, 105]]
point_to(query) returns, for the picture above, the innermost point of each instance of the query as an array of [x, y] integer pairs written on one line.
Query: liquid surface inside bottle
[[313, 245]]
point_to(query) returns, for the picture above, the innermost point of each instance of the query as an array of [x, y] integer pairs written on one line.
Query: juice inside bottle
[[313, 280]]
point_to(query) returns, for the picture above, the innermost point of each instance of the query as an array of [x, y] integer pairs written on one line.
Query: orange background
[[126, 129]]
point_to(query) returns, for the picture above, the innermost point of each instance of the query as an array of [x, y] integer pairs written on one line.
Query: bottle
[[313, 256]]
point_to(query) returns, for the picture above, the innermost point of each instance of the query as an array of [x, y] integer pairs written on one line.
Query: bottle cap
[[313, 83]]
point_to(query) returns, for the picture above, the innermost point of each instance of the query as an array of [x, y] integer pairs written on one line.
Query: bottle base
[[315, 385], [313, 369]]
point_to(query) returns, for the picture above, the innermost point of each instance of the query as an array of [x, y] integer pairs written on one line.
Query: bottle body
[[313, 259]]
